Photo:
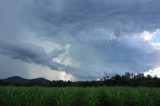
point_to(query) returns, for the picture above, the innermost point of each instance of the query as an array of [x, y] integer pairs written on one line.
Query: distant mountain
[[16, 79], [41, 80]]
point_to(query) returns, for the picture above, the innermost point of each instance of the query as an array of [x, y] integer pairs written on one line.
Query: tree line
[[128, 79]]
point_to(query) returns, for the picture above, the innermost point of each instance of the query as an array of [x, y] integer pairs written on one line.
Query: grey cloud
[[31, 54], [10, 67], [78, 18], [114, 57], [101, 33]]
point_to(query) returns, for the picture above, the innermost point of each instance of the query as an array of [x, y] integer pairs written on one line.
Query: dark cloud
[[79, 18], [10, 67], [104, 35], [31, 54]]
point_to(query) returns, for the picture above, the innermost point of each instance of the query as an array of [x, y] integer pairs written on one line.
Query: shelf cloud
[[82, 38]]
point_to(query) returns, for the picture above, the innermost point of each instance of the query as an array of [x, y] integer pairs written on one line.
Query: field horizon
[[78, 96]]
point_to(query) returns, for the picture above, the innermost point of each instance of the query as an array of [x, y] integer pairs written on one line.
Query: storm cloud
[[83, 38]]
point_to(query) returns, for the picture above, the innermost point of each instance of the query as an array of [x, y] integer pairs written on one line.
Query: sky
[[79, 39]]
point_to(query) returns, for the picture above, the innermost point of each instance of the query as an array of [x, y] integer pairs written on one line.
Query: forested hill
[[129, 79]]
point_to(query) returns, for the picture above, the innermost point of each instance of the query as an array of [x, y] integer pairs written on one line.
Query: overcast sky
[[79, 39]]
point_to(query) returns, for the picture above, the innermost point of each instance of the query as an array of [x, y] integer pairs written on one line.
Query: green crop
[[78, 96]]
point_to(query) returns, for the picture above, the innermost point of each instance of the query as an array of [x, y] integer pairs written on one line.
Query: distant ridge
[[17, 79], [128, 79], [42, 80]]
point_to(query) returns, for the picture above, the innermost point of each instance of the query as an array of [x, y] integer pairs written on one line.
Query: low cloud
[[31, 54], [103, 36]]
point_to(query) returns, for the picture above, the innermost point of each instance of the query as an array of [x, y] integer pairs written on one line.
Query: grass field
[[76, 96]]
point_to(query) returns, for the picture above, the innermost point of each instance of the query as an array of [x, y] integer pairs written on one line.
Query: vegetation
[[117, 90], [129, 79], [78, 96]]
